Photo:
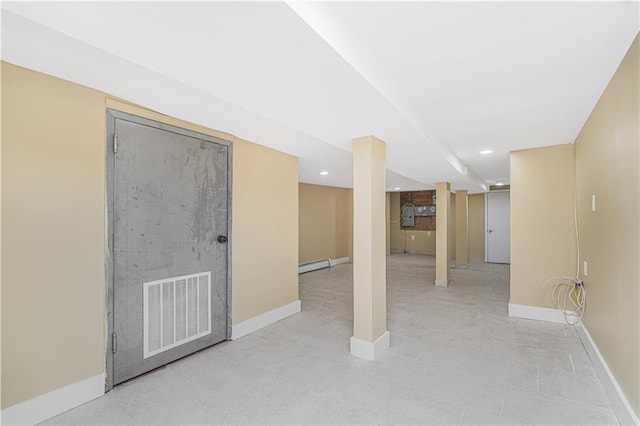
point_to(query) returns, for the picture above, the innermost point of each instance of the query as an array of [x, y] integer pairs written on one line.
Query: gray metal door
[[170, 228], [498, 242]]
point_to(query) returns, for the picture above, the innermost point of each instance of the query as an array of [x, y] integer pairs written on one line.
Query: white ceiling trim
[[328, 25]]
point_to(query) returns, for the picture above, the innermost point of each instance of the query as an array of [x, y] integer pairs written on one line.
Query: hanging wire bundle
[[569, 296]]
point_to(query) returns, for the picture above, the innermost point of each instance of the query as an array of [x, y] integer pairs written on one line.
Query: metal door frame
[[111, 117]]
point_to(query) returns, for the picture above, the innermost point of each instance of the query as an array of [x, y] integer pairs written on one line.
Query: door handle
[[490, 230], [222, 239]]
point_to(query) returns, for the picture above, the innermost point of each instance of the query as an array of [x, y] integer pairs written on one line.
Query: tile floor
[[456, 358]]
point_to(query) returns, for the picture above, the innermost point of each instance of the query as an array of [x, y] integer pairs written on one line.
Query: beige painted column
[[462, 229], [370, 335], [443, 205]]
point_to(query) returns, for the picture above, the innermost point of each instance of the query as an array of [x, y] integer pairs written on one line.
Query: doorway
[[498, 244], [169, 253]]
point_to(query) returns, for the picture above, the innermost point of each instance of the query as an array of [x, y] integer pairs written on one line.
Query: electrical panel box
[[408, 221], [408, 215], [425, 210]]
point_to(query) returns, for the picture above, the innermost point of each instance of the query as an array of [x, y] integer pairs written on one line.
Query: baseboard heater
[[321, 264]]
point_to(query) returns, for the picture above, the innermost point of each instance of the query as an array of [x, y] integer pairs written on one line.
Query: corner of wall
[[543, 241]]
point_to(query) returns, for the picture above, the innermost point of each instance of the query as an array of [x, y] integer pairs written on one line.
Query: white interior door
[[498, 248]]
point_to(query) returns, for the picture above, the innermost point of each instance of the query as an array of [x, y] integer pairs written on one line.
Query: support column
[[370, 335], [443, 206], [462, 229]]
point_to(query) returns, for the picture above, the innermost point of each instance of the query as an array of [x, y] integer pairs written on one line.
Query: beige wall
[[350, 229], [462, 229], [542, 226], [607, 165], [417, 242], [387, 213], [397, 243], [452, 229], [476, 226], [265, 248], [325, 222], [53, 241]]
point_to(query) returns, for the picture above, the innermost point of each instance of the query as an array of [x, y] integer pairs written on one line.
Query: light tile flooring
[[456, 358]]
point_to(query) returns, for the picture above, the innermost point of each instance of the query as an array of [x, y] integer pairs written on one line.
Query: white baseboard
[[441, 283], [536, 313], [52, 403], [321, 264], [619, 401], [370, 350], [263, 320], [314, 266], [338, 261]]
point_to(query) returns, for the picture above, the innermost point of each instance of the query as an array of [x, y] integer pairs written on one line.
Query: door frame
[[486, 223], [111, 116]]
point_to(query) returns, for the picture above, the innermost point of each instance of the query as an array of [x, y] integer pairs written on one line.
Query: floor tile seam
[[453, 405], [461, 420], [554, 396], [456, 403], [504, 395], [593, 376], [596, 404], [501, 380]]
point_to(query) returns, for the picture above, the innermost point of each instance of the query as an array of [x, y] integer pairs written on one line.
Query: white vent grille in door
[[176, 311]]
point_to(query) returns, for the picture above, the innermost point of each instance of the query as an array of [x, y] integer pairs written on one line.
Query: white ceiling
[[438, 81]]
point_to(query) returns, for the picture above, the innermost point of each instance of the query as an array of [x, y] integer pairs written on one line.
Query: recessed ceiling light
[[499, 183], [396, 188], [324, 173], [486, 152]]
